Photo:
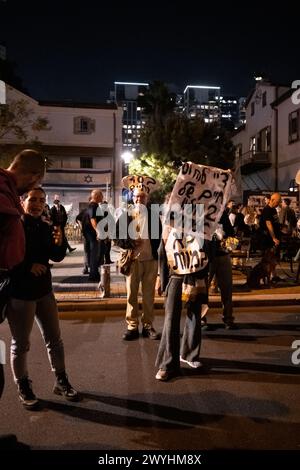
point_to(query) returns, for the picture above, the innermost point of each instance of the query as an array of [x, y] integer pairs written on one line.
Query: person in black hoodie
[[33, 298], [221, 267]]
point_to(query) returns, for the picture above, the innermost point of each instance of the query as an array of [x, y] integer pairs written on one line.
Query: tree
[[163, 171], [158, 105], [170, 138], [17, 120]]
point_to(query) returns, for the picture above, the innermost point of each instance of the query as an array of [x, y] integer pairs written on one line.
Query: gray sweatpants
[[21, 315]]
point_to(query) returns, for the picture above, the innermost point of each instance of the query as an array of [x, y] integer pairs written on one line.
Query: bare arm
[[94, 224], [271, 232]]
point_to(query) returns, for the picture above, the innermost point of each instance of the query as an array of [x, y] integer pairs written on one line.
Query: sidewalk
[[74, 292]]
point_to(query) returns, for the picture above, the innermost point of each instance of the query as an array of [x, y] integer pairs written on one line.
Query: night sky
[[76, 50]]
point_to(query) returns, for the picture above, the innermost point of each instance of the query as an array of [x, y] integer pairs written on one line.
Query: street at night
[[246, 396], [149, 234]]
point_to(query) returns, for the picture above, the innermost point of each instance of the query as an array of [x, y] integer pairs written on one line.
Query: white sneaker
[[193, 364], [165, 375]]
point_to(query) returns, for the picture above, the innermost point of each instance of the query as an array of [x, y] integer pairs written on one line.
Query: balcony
[[252, 162]]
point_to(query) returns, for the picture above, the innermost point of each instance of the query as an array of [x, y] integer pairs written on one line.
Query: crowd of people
[[32, 234]]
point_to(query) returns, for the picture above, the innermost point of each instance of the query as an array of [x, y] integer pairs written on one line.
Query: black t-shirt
[[270, 213], [92, 212], [85, 217]]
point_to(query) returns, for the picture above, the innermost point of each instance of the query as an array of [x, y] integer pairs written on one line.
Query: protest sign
[[197, 187], [145, 183]]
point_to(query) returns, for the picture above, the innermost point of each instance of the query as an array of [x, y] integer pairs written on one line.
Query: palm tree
[[157, 102]]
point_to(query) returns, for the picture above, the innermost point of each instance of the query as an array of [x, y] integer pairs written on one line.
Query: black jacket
[[217, 249], [40, 248]]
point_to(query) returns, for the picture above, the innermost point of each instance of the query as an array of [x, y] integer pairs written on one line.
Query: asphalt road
[[246, 396]]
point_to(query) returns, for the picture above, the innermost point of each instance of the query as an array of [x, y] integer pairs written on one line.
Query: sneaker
[[150, 333], [131, 334], [85, 271], [230, 326], [63, 387], [165, 375], [193, 364], [26, 395]]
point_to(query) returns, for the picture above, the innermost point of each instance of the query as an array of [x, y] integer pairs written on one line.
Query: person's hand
[[38, 269], [57, 236], [276, 241]]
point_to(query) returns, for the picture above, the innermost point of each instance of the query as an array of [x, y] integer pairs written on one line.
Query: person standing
[[33, 298], [192, 290], [143, 269], [105, 248], [221, 267], [59, 218], [92, 245], [270, 232], [26, 171], [288, 217]]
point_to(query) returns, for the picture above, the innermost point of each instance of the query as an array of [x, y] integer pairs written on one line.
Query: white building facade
[[267, 153], [83, 143]]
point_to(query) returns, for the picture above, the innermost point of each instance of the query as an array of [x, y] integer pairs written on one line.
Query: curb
[[104, 305]]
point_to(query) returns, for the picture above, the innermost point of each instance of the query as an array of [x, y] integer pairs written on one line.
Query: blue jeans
[[21, 315], [170, 348], [92, 249]]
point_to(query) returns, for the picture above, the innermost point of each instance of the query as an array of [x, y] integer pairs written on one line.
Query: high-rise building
[[229, 112], [201, 100], [126, 95]]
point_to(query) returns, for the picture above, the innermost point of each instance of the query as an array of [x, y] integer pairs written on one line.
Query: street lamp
[[293, 186], [126, 157]]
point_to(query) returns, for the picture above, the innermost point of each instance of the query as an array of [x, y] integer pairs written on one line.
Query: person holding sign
[[195, 206], [191, 289]]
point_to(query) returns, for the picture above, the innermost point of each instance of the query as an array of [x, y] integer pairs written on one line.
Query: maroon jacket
[[12, 238]]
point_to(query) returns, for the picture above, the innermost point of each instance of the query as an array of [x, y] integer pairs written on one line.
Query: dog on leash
[[262, 272]]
